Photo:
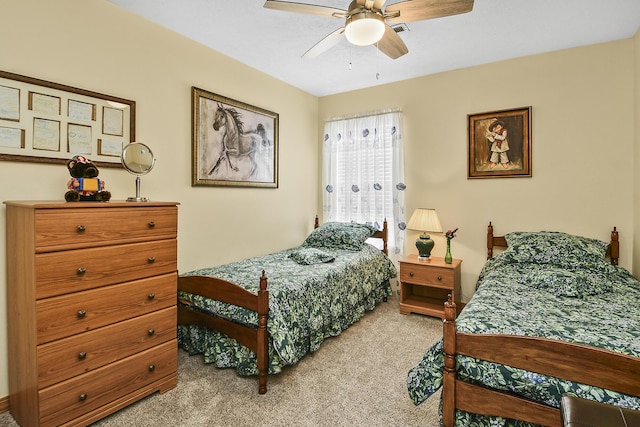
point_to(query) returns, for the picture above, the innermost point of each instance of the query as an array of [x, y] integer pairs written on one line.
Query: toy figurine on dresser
[[84, 184]]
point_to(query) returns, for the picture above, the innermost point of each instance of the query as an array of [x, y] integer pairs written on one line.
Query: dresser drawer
[[60, 273], [59, 229], [72, 398], [75, 355], [66, 315], [412, 273]]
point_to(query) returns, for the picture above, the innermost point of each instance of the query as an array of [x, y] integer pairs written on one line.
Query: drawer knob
[[82, 355], [151, 332], [152, 368], [411, 274], [151, 296], [81, 271], [81, 314], [151, 259], [81, 228], [439, 277], [152, 224], [82, 397]]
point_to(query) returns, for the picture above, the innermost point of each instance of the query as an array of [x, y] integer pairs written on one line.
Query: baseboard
[[4, 404]]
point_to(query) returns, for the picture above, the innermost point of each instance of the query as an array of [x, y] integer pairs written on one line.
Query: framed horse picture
[[234, 144]]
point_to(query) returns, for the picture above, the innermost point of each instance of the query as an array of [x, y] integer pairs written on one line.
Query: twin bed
[[550, 317], [315, 291]]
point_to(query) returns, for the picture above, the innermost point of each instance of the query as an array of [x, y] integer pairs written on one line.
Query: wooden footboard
[[573, 362], [255, 339]]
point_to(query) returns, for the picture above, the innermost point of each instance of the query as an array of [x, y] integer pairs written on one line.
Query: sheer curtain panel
[[363, 173]]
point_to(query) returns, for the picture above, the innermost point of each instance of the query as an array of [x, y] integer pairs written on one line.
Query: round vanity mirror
[[137, 158]]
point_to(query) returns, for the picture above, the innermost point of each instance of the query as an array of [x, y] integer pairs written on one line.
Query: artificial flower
[[450, 234]]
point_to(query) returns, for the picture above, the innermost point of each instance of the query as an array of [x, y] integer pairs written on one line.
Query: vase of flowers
[[450, 234]]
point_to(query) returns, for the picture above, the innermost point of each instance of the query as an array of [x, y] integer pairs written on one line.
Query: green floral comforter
[[598, 306], [307, 303]]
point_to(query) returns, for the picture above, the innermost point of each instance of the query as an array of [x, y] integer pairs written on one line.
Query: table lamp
[[425, 220]]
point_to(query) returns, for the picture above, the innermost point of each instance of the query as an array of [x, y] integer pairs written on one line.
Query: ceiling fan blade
[[325, 44], [309, 9], [417, 10], [391, 44], [371, 4], [379, 4]]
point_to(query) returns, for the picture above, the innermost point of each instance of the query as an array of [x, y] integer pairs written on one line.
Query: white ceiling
[[273, 41]]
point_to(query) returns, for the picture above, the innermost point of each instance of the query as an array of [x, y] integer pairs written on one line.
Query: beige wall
[[97, 46], [583, 125]]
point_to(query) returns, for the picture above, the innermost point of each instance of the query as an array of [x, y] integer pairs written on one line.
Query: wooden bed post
[[489, 241], [385, 234], [262, 353], [614, 248], [449, 373]]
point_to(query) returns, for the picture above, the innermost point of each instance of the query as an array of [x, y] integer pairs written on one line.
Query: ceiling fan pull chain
[[377, 62]]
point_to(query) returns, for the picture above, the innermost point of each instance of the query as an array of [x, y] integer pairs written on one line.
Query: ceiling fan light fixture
[[364, 28]]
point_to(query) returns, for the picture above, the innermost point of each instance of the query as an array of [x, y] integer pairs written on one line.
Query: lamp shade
[[364, 28], [425, 220]]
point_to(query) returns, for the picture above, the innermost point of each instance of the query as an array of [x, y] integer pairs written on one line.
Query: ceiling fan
[[368, 21]]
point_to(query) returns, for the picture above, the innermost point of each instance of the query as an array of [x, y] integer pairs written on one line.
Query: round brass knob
[[151, 332], [82, 355], [439, 277], [82, 397], [152, 224], [151, 296], [411, 274], [81, 314], [152, 368], [151, 259], [81, 270], [81, 228]]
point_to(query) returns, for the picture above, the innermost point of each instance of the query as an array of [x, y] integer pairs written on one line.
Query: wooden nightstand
[[425, 284]]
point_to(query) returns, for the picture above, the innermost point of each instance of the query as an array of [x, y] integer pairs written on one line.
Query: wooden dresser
[[91, 294]]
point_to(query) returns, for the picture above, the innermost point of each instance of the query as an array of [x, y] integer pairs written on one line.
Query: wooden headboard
[[380, 234], [499, 241]]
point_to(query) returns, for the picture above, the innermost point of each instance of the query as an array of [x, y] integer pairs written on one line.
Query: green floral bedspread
[[307, 303], [598, 306]]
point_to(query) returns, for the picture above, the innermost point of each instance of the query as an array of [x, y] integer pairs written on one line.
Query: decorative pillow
[[339, 235], [554, 248], [561, 282], [308, 256]]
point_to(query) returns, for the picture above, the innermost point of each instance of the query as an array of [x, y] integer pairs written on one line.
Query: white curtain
[[363, 173]]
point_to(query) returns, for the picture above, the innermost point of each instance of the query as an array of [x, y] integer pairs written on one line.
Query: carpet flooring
[[355, 379]]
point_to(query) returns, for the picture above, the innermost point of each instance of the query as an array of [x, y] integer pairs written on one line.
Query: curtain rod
[[369, 114]]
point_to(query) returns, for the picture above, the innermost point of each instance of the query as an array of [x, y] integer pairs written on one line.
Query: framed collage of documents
[[47, 122]]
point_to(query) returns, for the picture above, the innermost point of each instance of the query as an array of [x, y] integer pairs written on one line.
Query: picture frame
[[499, 144], [233, 143], [47, 122]]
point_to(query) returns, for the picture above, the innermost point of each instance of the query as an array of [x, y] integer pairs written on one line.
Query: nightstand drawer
[[418, 274]]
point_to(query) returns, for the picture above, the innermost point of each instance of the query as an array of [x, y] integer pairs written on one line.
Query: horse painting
[[236, 143]]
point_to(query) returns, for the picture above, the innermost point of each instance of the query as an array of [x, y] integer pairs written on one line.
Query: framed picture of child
[[499, 144]]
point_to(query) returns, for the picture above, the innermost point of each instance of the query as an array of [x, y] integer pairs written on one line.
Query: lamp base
[[424, 245]]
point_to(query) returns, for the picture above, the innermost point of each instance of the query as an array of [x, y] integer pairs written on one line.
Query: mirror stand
[[138, 198], [138, 160]]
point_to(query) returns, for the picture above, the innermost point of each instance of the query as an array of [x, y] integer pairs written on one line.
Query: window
[[363, 173]]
